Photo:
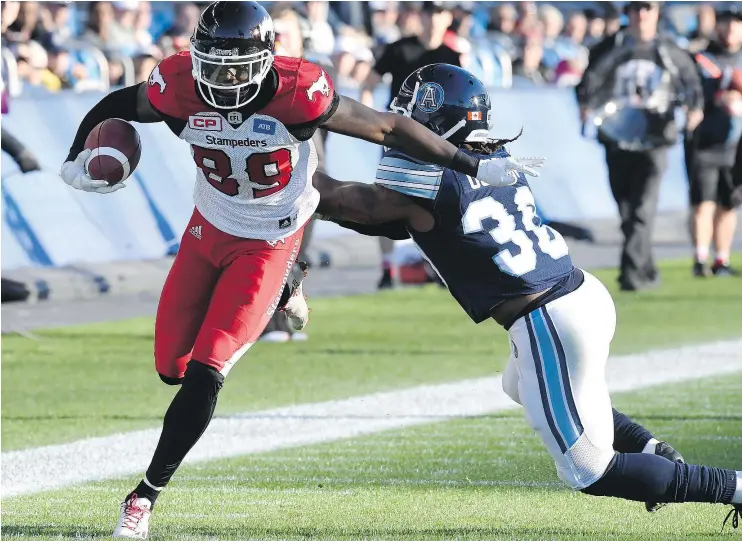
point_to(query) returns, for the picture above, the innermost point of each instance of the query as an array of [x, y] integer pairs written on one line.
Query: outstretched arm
[[408, 136], [370, 205], [400, 133]]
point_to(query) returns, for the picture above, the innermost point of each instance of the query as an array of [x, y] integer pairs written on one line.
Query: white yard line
[[43, 468]]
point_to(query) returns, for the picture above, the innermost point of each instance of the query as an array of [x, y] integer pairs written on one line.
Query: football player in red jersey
[[248, 116]]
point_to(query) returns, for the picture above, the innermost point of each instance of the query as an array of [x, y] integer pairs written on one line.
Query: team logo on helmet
[[430, 97]]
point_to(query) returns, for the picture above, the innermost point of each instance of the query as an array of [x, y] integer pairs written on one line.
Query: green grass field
[[474, 478]]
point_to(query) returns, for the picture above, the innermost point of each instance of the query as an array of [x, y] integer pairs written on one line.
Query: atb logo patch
[[155, 78], [205, 123], [284, 223], [267, 127], [321, 85], [234, 117], [430, 97], [195, 231]]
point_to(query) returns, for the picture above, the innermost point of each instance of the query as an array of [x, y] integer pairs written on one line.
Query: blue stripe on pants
[[558, 389], [563, 369], [542, 386]]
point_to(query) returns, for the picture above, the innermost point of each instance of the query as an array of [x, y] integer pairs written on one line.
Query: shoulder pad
[[170, 87], [305, 95], [409, 176]]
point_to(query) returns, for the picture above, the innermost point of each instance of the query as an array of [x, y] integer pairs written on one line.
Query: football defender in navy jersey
[[499, 261]]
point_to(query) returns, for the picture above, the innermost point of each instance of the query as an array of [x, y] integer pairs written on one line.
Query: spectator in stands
[[61, 32], [701, 37], [638, 72], [105, 33], [576, 28], [710, 151], [529, 66], [321, 38], [384, 17], [502, 28], [178, 36], [595, 27], [23, 157], [353, 62], [33, 23], [553, 22], [400, 59], [143, 66], [409, 20], [528, 18], [612, 20]]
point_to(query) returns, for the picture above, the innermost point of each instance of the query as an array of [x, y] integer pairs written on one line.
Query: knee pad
[[585, 463], [170, 381], [510, 383], [199, 375]]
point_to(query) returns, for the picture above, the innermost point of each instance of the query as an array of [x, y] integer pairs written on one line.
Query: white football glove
[[504, 171], [74, 174]]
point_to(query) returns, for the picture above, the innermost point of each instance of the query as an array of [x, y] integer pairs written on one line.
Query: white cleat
[[296, 308], [134, 518]]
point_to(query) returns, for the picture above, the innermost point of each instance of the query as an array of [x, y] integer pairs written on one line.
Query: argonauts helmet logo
[[430, 97]]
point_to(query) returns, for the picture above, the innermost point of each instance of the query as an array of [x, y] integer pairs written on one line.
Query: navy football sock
[[644, 477], [628, 436]]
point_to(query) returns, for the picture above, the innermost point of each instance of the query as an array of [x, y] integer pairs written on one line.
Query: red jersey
[[254, 164]]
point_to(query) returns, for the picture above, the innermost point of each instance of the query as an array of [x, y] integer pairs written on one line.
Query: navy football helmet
[[232, 52], [447, 100]]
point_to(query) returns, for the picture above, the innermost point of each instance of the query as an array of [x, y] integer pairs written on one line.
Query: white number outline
[[550, 242]]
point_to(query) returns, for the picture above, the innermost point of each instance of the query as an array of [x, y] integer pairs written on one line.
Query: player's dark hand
[[27, 163]]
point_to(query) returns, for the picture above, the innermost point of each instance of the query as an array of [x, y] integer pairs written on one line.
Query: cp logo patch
[[430, 97]]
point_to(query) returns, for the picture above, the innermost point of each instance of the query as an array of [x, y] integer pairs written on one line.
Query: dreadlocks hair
[[491, 145]]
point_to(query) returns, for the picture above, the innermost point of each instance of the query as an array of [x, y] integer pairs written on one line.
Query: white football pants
[[557, 372]]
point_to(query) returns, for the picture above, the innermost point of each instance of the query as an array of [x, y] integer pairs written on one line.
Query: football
[[116, 151]]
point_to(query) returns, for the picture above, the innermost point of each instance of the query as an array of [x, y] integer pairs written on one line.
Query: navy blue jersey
[[488, 245]]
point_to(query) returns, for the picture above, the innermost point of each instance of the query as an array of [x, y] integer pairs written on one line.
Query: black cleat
[[386, 281], [667, 451], [701, 270], [735, 514], [720, 269]]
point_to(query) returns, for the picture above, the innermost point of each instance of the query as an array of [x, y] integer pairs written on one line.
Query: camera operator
[[635, 80], [710, 152]]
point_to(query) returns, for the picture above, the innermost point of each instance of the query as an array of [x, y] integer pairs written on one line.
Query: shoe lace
[[735, 515], [132, 512]]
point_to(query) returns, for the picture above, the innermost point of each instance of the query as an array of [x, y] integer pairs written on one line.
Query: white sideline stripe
[[43, 468]]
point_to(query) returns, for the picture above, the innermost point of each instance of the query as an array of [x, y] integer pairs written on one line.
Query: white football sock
[[737, 498], [723, 257], [651, 446], [702, 253]]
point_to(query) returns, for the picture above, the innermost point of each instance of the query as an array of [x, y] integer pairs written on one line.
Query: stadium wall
[[46, 223]]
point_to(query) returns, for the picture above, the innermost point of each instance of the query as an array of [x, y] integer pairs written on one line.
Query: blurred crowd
[[93, 45]]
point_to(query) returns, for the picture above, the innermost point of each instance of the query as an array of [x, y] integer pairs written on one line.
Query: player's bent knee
[[510, 385], [170, 381], [585, 464], [198, 374]]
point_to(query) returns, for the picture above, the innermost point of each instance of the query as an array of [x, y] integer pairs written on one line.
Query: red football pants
[[219, 295]]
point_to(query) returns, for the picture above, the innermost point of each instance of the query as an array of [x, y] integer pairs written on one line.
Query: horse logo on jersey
[[155, 78], [321, 85], [431, 97]]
